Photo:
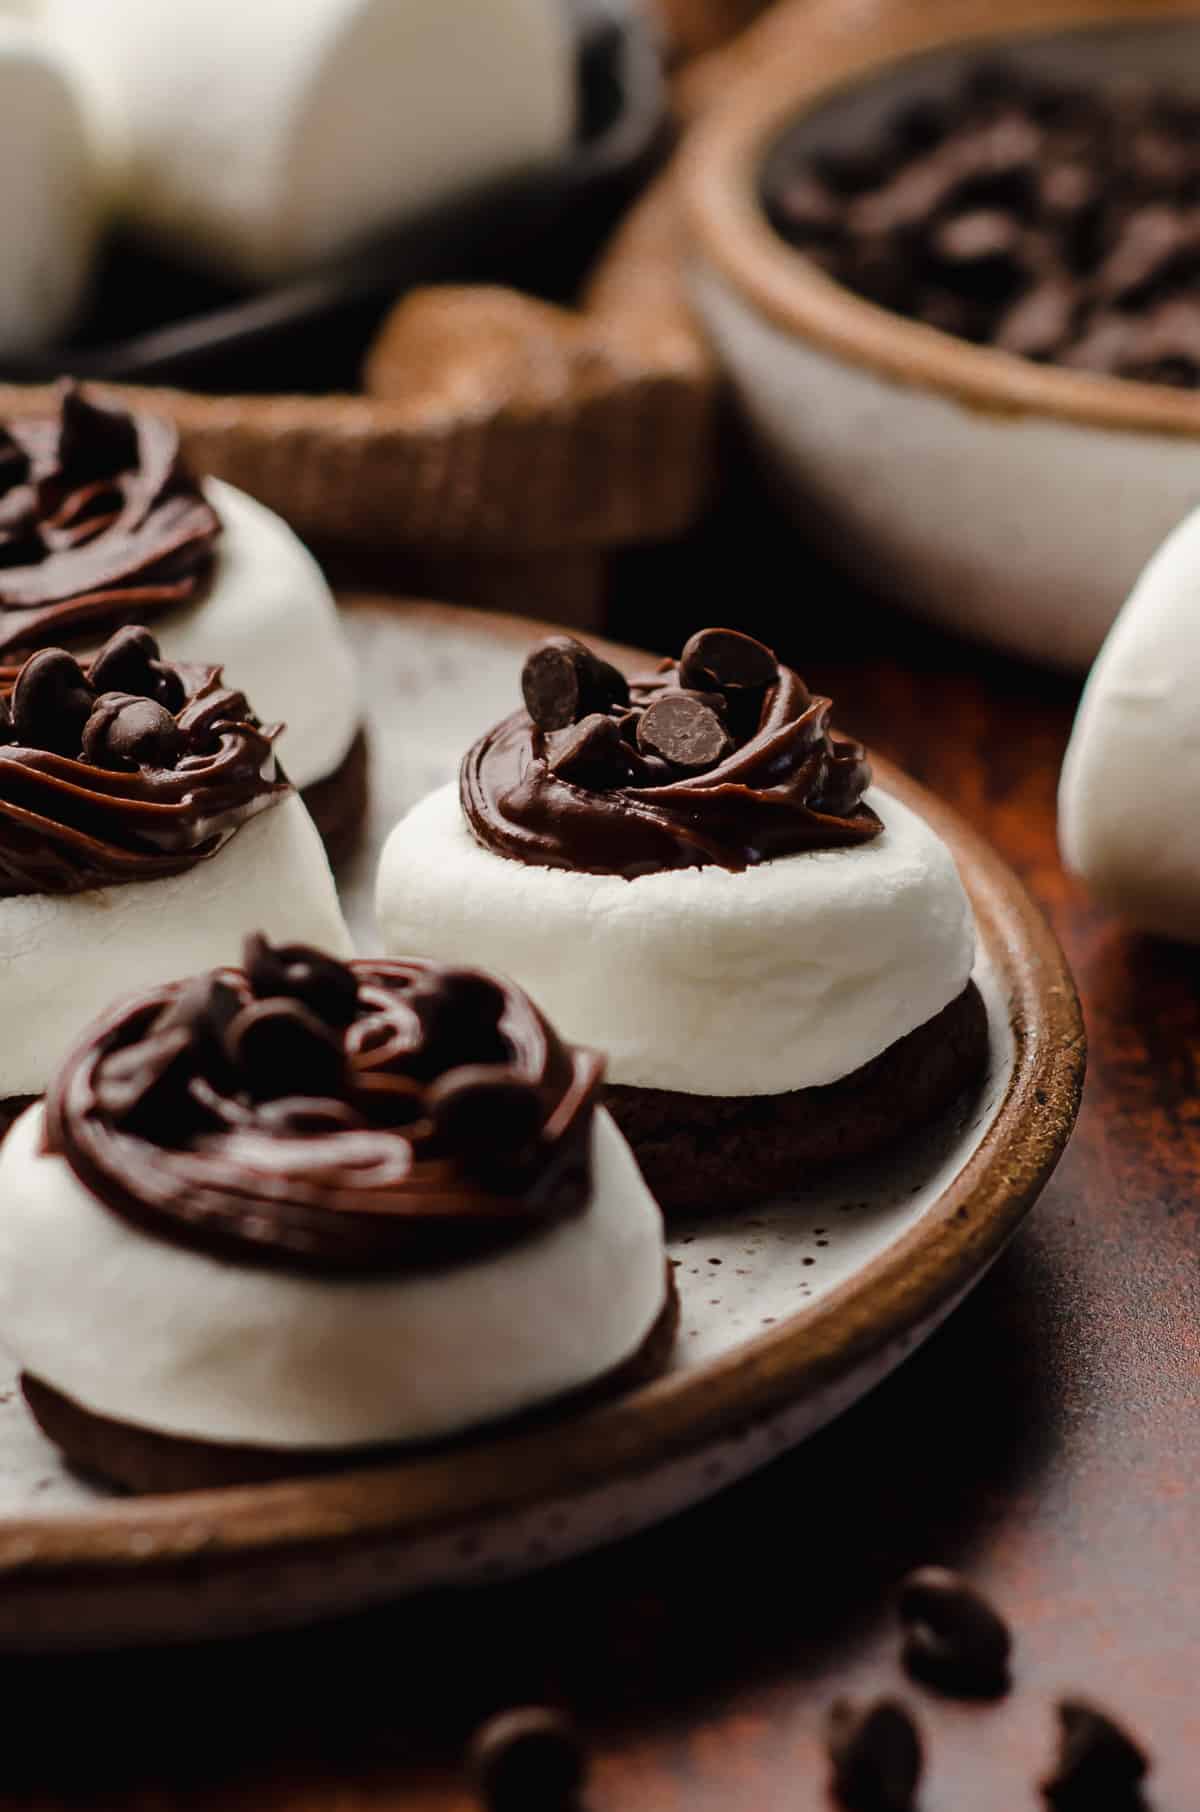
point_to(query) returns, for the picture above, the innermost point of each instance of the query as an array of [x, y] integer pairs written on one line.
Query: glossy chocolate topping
[[722, 758], [328, 1117], [127, 769], [100, 525]]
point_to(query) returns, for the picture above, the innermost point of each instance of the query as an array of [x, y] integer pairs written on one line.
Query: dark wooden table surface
[[1046, 1440]]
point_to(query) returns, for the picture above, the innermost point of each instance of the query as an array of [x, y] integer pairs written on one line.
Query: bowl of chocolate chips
[[950, 256]]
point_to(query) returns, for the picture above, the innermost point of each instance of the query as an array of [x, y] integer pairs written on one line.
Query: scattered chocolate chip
[[298, 972], [953, 1638], [129, 662], [280, 1048], [714, 659], [680, 729], [563, 681], [591, 753], [1099, 1767], [459, 1013], [484, 1108], [125, 732], [528, 1760], [876, 1756], [51, 702]]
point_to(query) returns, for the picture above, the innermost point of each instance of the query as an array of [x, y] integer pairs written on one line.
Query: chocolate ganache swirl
[[337, 1118], [127, 769], [721, 758], [100, 524]]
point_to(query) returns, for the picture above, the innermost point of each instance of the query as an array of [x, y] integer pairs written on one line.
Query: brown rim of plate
[[840, 48], [377, 1507]]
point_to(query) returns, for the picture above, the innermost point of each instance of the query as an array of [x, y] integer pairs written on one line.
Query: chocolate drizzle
[[100, 524], [333, 1118], [100, 785], [723, 758]]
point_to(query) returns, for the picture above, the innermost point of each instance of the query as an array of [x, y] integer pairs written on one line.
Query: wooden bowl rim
[[381, 1506], [722, 159]]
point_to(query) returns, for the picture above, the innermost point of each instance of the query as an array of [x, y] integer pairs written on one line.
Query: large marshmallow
[[264, 135], [65, 958], [1129, 796], [140, 1329], [786, 976], [50, 191]]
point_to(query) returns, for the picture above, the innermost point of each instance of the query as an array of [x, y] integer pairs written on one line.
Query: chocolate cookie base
[[338, 803], [727, 1151], [12, 1107], [145, 1462]]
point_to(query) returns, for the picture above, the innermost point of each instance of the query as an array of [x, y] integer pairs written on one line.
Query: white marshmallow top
[[142, 1330], [50, 190], [265, 135], [1129, 796], [786, 976], [269, 618], [65, 958]]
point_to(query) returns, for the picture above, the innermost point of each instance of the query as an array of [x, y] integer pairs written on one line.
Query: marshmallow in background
[[1129, 796], [50, 204], [262, 136]]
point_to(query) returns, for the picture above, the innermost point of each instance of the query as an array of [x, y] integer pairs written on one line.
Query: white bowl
[[1012, 501]]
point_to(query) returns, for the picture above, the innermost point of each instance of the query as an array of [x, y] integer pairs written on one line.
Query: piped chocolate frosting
[[327, 1117], [722, 758], [127, 769], [101, 524]]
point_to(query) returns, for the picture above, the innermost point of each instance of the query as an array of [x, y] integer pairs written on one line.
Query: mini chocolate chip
[[591, 753], [553, 682], [876, 1756], [716, 658], [298, 972], [1099, 1767], [280, 1048], [129, 662], [51, 702], [480, 1109], [125, 732], [206, 1006], [528, 1760], [953, 1638], [563, 681], [459, 1013], [308, 1116], [684, 731]]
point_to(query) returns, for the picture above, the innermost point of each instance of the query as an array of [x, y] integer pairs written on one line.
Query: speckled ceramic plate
[[789, 1313]]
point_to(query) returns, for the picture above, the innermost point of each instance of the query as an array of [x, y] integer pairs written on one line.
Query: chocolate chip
[[714, 659], [528, 1760], [683, 731], [51, 702], [206, 1006], [125, 732], [953, 1638], [482, 1109], [1099, 1767], [298, 972], [563, 681], [876, 1756], [280, 1048], [591, 753], [129, 662]]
